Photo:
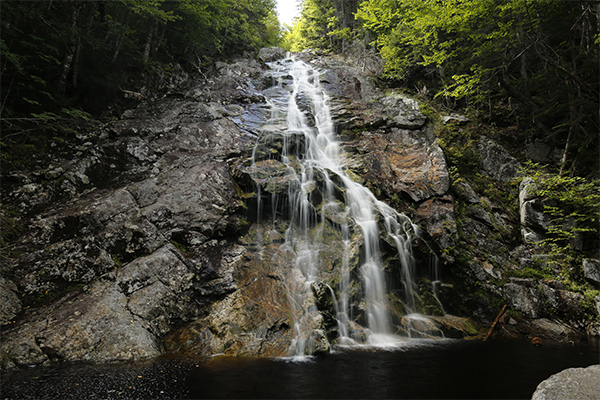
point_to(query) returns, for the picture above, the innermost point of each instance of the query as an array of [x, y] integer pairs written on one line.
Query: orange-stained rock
[[405, 162]]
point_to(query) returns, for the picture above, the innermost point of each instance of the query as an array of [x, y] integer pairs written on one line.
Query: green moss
[[589, 304], [180, 246], [470, 328], [531, 272], [117, 260], [236, 330]]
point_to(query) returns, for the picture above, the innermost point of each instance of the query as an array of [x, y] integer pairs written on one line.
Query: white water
[[306, 125]]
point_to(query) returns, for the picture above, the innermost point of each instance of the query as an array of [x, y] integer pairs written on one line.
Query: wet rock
[[496, 161], [477, 212], [403, 112], [418, 326], [550, 330], [268, 54], [119, 318], [145, 192], [591, 270], [478, 270], [482, 237], [404, 162], [523, 256], [564, 302], [484, 270], [95, 326], [251, 319], [455, 118], [10, 304], [456, 327], [317, 343], [160, 175], [572, 383], [523, 296], [440, 224], [200, 198], [541, 152], [273, 176], [465, 192], [84, 240], [593, 328]]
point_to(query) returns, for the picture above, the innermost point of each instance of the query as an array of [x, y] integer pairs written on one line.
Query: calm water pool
[[414, 370]]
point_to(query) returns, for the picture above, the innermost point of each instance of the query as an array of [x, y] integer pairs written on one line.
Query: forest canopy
[[59, 55]]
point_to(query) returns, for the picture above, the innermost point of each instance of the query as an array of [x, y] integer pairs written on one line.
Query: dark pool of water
[[421, 369]]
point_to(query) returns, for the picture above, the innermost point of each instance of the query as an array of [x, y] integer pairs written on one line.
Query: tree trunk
[[344, 25], [563, 161], [160, 38], [88, 28], [76, 63], [120, 37], [572, 117], [523, 70], [71, 50], [148, 44], [598, 48]]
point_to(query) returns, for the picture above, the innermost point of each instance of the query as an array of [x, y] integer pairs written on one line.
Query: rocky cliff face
[[146, 241]]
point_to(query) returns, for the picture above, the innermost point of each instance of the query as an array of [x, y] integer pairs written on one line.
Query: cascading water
[[300, 147]]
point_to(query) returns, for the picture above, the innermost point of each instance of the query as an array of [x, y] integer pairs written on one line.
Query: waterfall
[[310, 187]]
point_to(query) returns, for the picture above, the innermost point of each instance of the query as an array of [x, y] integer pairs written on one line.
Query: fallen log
[[495, 322]]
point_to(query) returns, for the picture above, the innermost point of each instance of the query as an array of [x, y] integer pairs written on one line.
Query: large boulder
[[534, 219], [572, 383], [496, 161], [591, 271], [255, 319]]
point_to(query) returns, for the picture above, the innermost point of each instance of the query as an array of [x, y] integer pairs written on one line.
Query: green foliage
[[573, 205], [310, 30], [180, 246], [459, 148], [224, 27], [292, 39], [323, 24], [537, 54], [589, 304], [57, 55]]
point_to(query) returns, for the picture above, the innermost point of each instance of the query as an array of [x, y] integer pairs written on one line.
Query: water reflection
[[413, 369]]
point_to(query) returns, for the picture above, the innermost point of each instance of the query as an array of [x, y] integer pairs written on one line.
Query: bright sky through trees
[[287, 10]]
